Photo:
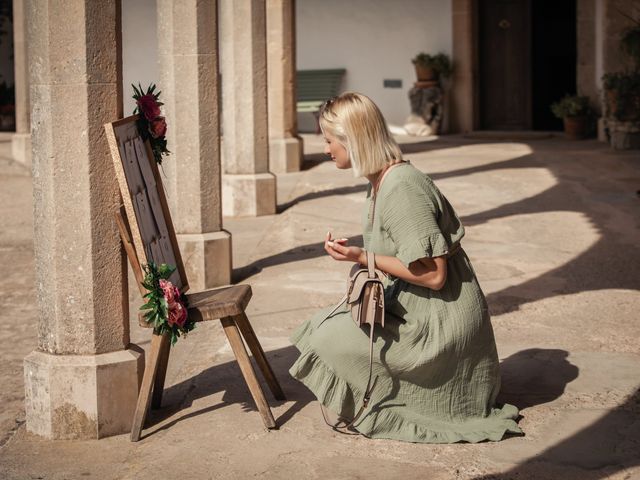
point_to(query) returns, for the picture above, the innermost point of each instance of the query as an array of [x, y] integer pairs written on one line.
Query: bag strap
[[371, 264], [370, 386]]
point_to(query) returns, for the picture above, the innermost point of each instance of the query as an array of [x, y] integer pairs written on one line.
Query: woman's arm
[[426, 272]]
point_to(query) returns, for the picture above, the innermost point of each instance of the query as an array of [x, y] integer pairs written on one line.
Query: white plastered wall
[[139, 48], [374, 40]]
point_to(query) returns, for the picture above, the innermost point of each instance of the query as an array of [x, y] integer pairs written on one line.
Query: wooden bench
[[314, 87], [148, 235]]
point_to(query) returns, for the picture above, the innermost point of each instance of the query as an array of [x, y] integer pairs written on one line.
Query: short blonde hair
[[357, 123]]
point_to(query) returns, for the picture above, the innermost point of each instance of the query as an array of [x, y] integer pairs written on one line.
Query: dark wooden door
[[505, 64]]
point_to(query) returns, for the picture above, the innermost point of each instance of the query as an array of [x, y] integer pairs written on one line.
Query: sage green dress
[[436, 359]]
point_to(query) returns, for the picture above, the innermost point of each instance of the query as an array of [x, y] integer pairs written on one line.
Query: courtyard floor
[[553, 230]]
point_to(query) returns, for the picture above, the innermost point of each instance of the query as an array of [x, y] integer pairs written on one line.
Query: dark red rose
[[158, 127], [149, 107]]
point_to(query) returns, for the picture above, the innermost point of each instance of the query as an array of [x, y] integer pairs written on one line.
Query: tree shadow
[[227, 377], [607, 264], [609, 445]]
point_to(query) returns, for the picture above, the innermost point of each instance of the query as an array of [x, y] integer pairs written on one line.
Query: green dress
[[436, 359]]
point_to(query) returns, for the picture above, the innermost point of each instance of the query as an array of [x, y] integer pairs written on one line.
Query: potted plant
[[622, 94], [432, 67], [622, 90], [576, 113]]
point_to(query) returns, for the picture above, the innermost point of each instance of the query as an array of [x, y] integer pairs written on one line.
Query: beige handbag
[[365, 299]]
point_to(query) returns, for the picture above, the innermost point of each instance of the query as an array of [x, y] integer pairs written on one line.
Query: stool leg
[[231, 330], [158, 385], [144, 397], [258, 353]]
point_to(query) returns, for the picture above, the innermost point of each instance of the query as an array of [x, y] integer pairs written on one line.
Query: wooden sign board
[[144, 198]]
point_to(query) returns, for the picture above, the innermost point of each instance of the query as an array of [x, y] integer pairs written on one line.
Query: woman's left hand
[[338, 250]]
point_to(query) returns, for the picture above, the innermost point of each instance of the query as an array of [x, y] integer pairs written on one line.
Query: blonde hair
[[357, 123]]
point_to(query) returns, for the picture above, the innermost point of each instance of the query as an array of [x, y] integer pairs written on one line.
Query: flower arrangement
[[151, 125], [166, 307]]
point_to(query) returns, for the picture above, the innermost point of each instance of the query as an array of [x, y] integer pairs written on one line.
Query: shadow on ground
[[606, 447], [296, 254], [584, 195], [227, 378]]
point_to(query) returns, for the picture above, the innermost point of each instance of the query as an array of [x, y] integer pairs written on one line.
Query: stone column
[[247, 186], [82, 381], [188, 61], [463, 110], [21, 140], [285, 147]]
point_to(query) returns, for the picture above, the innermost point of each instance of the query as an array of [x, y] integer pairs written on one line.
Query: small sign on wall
[[392, 83]]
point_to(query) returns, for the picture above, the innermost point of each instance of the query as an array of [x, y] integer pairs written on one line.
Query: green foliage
[[625, 87], [571, 106], [630, 43], [157, 307], [159, 144], [439, 62]]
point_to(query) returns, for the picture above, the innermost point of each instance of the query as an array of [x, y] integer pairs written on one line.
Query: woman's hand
[[338, 250]]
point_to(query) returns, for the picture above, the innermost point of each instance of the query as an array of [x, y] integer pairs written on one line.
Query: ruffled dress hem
[[334, 392]]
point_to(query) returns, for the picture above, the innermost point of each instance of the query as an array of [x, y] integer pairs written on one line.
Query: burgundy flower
[[177, 315], [158, 127], [149, 107]]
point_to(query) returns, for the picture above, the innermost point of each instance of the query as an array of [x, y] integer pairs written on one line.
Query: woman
[[436, 359]]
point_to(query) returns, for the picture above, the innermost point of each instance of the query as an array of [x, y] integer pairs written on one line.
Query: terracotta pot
[[425, 73], [629, 113], [575, 128]]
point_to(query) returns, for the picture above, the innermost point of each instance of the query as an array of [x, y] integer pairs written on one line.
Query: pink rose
[[169, 291], [149, 107], [177, 315], [158, 127]]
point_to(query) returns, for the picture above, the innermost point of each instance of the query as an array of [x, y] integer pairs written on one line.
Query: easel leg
[[258, 353], [158, 385], [144, 397], [231, 330]]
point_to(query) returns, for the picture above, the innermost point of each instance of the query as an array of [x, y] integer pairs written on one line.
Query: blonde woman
[[436, 359]]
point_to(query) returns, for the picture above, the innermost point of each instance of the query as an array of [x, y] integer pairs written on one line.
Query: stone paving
[[552, 230]]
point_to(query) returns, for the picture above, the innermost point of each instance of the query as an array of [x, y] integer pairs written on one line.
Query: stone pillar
[[285, 147], [82, 381], [247, 186], [463, 109], [21, 140], [188, 61]]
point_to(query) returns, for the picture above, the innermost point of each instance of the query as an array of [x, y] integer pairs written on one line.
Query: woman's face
[[336, 151]]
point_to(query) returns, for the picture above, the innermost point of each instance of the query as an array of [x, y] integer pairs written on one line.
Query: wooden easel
[[151, 237]]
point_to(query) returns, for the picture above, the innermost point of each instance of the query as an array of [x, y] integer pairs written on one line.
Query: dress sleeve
[[410, 217]]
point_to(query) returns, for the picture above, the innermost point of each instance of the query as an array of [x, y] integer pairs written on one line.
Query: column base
[[82, 396], [248, 195], [21, 148], [285, 155], [207, 258]]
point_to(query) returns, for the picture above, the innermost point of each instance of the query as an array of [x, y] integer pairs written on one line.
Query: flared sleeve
[[410, 217]]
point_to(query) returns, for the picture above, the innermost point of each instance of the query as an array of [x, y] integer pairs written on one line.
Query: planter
[[425, 74], [576, 128], [630, 109], [623, 135]]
